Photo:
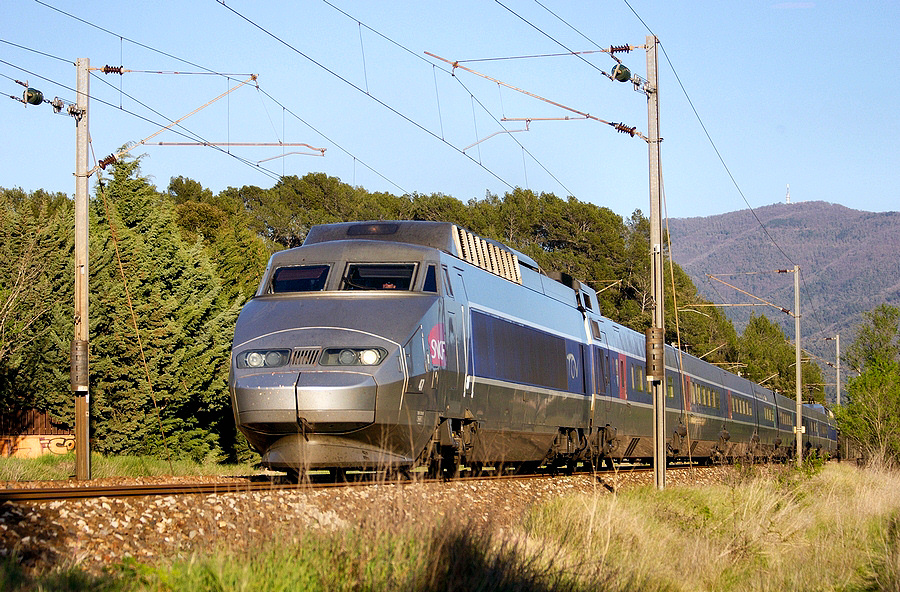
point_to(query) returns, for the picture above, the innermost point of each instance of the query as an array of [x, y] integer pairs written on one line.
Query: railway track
[[250, 485], [97, 526]]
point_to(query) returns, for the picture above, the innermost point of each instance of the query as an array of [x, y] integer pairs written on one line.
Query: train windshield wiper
[[351, 285]]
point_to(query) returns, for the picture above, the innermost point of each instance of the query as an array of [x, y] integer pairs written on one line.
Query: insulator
[[107, 161], [621, 73], [619, 48], [621, 127], [33, 96], [112, 70]]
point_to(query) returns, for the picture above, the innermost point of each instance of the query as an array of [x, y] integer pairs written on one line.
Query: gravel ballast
[[97, 532]]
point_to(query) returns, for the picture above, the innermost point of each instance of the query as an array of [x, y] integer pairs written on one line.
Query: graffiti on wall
[[35, 445]]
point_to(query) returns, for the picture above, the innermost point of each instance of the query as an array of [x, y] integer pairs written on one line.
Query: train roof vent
[[487, 255]]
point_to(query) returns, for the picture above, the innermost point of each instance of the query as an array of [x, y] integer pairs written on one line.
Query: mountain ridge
[[848, 262]]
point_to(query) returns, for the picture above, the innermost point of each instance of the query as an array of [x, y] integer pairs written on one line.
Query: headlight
[[353, 356], [347, 357], [263, 358], [369, 357]]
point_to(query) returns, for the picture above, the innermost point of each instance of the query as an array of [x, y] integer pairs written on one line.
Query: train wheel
[[528, 468], [450, 460]]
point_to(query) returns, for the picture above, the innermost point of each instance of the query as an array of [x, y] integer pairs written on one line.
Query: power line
[[363, 91], [138, 43], [256, 165], [563, 21], [618, 126], [337, 145], [47, 55], [186, 133], [528, 57], [471, 94], [380, 34], [550, 37], [286, 44], [815, 312], [524, 149]]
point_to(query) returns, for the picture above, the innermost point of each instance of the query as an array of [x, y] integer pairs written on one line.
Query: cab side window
[[430, 284]]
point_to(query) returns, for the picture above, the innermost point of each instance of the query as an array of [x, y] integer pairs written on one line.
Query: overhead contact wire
[[450, 72], [337, 145], [550, 37], [356, 87]]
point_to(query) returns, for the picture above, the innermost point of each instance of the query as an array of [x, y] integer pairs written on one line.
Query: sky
[[754, 96]]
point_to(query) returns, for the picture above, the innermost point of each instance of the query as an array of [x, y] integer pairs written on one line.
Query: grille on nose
[[305, 356]]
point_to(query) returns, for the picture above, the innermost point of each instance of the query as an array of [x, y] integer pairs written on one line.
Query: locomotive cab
[[321, 354]]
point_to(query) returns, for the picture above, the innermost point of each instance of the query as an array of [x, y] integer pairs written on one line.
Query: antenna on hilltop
[[788, 198]]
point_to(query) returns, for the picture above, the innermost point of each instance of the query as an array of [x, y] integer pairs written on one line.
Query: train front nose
[[336, 401], [326, 401], [330, 388], [318, 406], [319, 381]]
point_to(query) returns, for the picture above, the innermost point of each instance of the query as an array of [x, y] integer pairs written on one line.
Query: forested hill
[[848, 261]]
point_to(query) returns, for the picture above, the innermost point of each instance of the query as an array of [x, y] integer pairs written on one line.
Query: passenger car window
[[302, 278], [381, 276]]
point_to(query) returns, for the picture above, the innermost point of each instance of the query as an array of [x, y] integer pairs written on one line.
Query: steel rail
[[48, 494]]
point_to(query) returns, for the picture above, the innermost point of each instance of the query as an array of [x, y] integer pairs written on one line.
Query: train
[[419, 345]]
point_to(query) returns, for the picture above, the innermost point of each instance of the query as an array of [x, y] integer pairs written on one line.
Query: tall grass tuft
[[772, 528], [424, 558]]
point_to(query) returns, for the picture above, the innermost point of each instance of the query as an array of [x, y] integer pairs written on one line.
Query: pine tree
[[36, 238], [169, 396]]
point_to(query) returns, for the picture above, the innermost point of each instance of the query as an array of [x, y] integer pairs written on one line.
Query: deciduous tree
[[871, 416]]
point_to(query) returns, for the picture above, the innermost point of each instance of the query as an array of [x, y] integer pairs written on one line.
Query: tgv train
[[406, 344]]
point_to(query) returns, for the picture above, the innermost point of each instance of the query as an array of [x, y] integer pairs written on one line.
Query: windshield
[[303, 278], [379, 276]]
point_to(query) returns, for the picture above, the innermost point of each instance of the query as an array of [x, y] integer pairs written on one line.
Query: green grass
[[51, 467], [421, 558], [771, 528]]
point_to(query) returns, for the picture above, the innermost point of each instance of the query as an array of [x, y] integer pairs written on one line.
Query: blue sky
[[799, 93]]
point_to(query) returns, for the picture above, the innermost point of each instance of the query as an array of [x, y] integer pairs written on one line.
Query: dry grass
[[772, 528]]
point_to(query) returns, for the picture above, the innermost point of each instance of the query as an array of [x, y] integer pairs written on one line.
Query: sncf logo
[[437, 346], [572, 365]]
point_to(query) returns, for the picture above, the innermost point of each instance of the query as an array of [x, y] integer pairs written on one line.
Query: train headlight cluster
[[353, 356], [263, 358]]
